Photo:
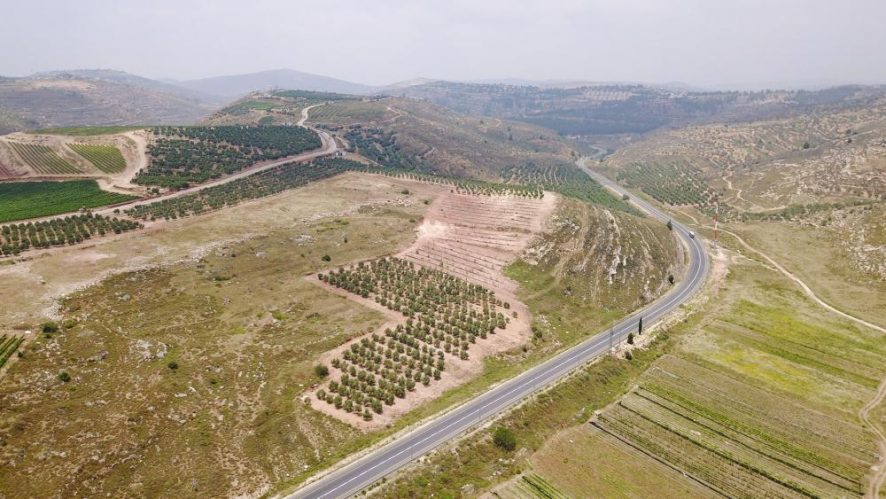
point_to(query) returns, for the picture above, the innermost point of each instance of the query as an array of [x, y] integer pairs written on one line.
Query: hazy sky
[[702, 42]]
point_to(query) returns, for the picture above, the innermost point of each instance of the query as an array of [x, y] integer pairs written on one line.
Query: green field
[[43, 159], [762, 395], [24, 200], [106, 158]]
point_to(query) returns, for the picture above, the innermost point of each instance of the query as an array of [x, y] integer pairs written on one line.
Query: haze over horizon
[[740, 44]]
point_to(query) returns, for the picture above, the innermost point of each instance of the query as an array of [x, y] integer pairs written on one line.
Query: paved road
[[362, 472]]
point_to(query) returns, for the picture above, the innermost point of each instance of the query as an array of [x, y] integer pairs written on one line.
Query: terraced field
[[181, 156], [106, 158], [43, 159], [474, 238], [670, 183], [350, 112], [762, 398]]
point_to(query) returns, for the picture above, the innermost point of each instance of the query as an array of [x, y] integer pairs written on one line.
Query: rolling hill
[[234, 86], [95, 97]]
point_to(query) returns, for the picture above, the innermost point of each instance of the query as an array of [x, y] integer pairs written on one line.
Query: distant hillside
[[95, 97], [629, 109], [239, 85]]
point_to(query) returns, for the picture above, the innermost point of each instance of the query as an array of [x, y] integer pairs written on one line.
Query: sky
[[703, 43]]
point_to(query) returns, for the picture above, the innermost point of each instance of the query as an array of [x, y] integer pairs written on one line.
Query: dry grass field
[[193, 356]]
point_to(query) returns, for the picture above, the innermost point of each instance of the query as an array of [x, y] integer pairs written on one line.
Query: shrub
[[64, 376], [49, 327], [629, 355], [321, 370], [172, 365], [326, 258], [505, 439], [630, 338]]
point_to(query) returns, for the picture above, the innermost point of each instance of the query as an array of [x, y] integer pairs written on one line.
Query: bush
[[172, 365], [321, 370], [326, 258], [64, 376], [505, 439], [49, 327], [630, 338], [629, 355]]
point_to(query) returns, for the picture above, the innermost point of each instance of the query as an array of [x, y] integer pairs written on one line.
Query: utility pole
[[611, 332], [640, 326]]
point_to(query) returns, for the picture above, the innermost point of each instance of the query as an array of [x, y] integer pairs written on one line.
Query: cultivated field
[[109, 154], [758, 374], [182, 156], [452, 307], [590, 266], [24, 200], [106, 158], [43, 160]]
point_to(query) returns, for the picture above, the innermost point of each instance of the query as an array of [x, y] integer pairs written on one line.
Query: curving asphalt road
[[379, 463]]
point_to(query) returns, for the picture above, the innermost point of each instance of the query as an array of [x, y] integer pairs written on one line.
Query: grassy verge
[[479, 463]]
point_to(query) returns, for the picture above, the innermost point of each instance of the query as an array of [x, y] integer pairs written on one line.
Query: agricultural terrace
[[24, 200], [311, 96], [297, 174], [350, 112], [669, 183], [762, 397], [381, 146], [16, 238], [475, 237], [568, 180], [43, 159], [106, 158], [445, 315], [182, 156], [265, 183], [9, 343]]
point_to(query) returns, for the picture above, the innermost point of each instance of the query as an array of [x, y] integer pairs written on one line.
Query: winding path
[[354, 476]]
